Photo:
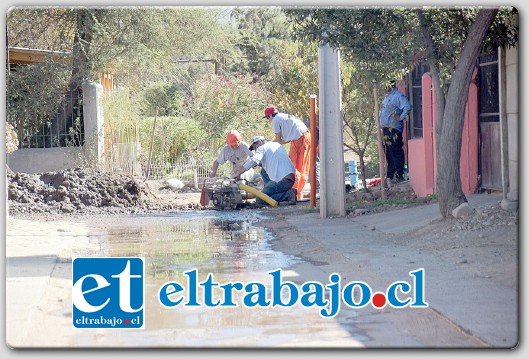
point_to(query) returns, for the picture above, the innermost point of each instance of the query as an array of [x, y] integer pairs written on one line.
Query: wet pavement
[[226, 244], [478, 311]]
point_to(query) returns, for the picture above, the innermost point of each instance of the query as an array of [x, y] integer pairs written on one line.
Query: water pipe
[[259, 194]]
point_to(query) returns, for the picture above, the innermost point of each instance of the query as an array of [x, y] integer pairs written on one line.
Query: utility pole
[[332, 178]]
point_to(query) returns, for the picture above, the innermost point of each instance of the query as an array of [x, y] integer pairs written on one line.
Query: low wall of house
[[40, 160], [420, 168]]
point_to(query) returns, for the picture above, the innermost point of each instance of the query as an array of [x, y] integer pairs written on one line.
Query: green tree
[[295, 79], [164, 97], [395, 38], [33, 96], [359, 118], [140, 45], [220, 103], [262, 32], [176, 138]]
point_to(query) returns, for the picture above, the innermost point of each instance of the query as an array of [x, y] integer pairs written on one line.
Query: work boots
[[293, 196]]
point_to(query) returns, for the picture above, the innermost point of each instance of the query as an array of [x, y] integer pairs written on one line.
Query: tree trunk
[[381, 153], [363, 171], [449, 142], [64, 121]]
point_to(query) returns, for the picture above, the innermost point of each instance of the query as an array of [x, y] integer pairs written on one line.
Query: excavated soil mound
[[82, 191]]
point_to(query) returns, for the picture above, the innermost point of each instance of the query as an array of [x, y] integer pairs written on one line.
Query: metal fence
[[37, 129], [191, 172], [125, 158]]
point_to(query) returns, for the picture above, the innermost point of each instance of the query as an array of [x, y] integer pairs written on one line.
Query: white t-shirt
[[291, 128], [274, 159], [236, 157]]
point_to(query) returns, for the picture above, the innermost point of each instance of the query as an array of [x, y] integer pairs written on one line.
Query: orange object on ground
[[204, 198], [299, 155]]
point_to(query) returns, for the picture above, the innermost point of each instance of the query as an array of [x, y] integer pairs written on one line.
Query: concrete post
[[313, 151], [509, 120], [93, 122], [332, 179], [502, 80]]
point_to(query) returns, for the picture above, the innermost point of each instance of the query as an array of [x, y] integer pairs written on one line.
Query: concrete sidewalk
[[408, 219], [482, 307], [30, 261]]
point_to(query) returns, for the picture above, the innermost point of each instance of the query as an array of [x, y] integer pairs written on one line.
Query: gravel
[[402, 196]]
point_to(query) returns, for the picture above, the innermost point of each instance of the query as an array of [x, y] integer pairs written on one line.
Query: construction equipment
[[225, 193]]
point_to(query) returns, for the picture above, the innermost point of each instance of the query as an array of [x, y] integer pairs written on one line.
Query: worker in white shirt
[[289, 129], [278, 172]]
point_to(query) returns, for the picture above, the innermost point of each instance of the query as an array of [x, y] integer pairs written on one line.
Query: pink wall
[[421, 158], [422, 166]]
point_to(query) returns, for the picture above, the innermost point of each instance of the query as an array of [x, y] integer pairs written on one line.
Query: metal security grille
[[488, 89], [415, 96], [65, 128], [489, 121]]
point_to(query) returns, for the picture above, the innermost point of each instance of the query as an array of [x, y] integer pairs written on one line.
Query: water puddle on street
[[230, 246]]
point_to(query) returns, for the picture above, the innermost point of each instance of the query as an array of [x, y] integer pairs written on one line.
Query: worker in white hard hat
[[278, 172]]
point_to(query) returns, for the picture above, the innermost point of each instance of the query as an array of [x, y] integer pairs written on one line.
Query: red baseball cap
[[269, 111]]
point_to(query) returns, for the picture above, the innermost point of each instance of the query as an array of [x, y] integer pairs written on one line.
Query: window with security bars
[[489, 121], [488, 87], [415, 97]]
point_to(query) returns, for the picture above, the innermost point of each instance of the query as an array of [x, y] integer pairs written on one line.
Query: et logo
[[108, 292]]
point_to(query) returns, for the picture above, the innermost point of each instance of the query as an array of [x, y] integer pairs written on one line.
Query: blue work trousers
[[277, 190]]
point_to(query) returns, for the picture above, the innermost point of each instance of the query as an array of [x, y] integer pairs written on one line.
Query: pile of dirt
[[402, 196], [83, 191], [380, 200]]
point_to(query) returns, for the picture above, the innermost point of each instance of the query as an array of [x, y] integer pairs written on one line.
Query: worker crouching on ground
[[278, 172], [237, 153], [292, 130]]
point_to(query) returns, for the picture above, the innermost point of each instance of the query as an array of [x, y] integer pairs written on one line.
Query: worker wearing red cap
[[236, 152], [289, 129]]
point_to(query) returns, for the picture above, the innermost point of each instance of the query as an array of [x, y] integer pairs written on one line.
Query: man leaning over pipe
[[278, 172]]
